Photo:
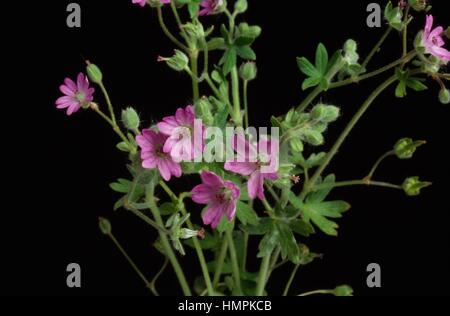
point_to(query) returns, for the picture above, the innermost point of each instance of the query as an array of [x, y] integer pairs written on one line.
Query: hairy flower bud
[[130, 119], [418, 5], [248, 71], [94, 73], [444, 96], [203, 111], [105, 225], [240, 6], [343, 290]]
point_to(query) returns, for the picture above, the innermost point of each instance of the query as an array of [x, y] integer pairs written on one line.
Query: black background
[[61, 166]]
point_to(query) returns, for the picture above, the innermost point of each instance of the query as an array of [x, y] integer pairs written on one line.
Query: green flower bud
[[413, 185], [105, 225], [444, 96], [325, 113], [296, 145], [195, 31], [130, 119], [240, 6], [248, 71], [154, 3], [343, 290], [351, 57], [94, 73], [313, 137], [394, 16], [418, 5], [406, 147], [246, 30], [203, 111], [178, 62]]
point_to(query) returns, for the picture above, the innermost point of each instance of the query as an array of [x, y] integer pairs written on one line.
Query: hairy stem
[[234, 261], [291, 279], [166, 243], [168, 33], [262, 278], [377, 164], [357, 182], [220, 260], [365, 106], [376, 47]]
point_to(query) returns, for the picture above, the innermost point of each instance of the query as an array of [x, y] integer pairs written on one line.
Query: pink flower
[[153, 156], [220, 197], [185, 137], [209, 6], [432, 41], [76, 95], [258, 165]]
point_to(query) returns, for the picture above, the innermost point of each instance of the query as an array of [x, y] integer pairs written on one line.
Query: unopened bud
[[418, 5], [104, 225], [240, 6], [248, 71], [130, 119], [444, 96], [94, 73]]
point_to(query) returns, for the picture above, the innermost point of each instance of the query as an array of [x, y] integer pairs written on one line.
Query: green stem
[[244, 254], [317, 292], [405, 32], [177, 19], [115, 128], [197, 245], [236, 99], [220, 260], [376, 48], [194, 70], [311, 96], [234, 261], [108, 102], [148, 220], [168, 33], [291, 279], [156, 277], [365, 106], [262, 278], [272, 192], [130, 261], [357, 182], [374, 73], [377, 164], [166, 243], [246, 102]]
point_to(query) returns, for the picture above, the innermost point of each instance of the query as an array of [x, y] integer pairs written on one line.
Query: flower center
[[224, 195], [159, 151], [80, 96]]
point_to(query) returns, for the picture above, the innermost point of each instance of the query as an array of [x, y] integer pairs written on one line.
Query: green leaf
[[243, 41], [318, 213], [246, 52], [301, 227], [268, 243], [288, 244], [228, 60], [416, 84], [307, 67], [265, 224], [320, 195], [311, 82], [224, 224], [121, 186], [167, 208], [246, 214], [321, 59], [216, 43]]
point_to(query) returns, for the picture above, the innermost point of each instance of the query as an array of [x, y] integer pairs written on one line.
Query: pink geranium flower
[[259, 166], [209, 6], [185, 137], [153, 156], [220, 197], [432, 40], [76, 94]]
